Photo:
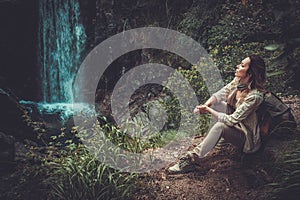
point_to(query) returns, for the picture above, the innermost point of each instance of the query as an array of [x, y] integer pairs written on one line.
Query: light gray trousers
[[220, 130]]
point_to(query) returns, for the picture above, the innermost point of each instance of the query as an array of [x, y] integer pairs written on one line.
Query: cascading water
[[61, 41]]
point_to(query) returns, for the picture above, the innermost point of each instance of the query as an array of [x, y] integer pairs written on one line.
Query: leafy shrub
[[183, 117], [228, 56]]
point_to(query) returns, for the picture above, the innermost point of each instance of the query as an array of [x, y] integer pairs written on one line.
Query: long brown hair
[[257, 70]]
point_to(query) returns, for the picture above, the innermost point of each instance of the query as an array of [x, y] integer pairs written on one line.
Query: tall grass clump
[[76, 173]]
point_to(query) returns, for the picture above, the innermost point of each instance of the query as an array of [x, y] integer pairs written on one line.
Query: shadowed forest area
[[43, 151]]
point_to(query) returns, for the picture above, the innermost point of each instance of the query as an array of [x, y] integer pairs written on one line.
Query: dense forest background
[[229, 30], [44, 160]]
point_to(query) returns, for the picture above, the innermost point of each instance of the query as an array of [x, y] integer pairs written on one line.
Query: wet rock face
[[11, 114], [7, 149], [19, 70], [15, 119]]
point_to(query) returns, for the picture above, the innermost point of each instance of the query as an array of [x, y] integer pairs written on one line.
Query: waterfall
[[61, 41]]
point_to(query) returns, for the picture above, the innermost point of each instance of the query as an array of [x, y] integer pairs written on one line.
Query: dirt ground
[[225, 173]]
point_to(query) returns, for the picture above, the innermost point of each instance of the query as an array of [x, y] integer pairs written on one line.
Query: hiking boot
[[184, 165], [193, 154]]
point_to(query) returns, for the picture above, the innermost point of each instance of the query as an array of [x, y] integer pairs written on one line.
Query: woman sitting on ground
[[237, 120]]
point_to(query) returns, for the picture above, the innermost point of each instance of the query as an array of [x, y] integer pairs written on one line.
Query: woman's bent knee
[[218, 126]]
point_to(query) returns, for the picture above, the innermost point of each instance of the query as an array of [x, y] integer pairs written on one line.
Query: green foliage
[[266, 28], [133, 136], [231, 28], [284, 71], [77, 174], [228, 56], [178, 116], [199, 19], [280, 77], [191, 24], [196, 81], [288, 177]]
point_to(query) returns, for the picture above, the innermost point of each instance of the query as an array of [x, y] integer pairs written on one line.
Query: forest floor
[[224, 174]]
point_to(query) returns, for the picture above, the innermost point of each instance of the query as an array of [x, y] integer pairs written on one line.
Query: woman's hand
[[201, 109], [196, 110]]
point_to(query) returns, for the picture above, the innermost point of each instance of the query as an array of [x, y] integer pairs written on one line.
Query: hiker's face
[[241, 69]]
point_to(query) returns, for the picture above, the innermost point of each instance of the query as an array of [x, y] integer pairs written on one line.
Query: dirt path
[[224, 174]]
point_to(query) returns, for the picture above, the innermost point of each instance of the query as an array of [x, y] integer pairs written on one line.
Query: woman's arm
[[212, 100], [250, 104], [219, 96], [201, 108], [213, 112]]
